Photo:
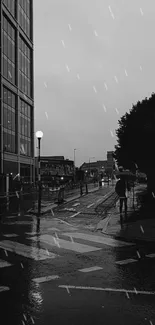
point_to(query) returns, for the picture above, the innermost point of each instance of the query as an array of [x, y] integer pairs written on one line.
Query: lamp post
[[39, 135], [74, 164]]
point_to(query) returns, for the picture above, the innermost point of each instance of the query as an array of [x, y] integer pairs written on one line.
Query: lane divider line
[[127, 261], [90, 269], [45, 278], [107, 289]]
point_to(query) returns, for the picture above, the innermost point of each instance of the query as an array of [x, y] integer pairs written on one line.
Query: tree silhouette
[[136, 139]]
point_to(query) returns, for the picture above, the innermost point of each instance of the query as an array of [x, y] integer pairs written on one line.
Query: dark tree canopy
[[136, 137]]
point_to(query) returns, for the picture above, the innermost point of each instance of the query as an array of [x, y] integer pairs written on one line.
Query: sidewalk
[[135, 231]]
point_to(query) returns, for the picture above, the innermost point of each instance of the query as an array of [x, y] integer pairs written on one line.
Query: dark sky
[[93, 60]]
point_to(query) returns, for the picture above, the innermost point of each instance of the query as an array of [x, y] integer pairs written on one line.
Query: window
[[9, 121], [25, 75], [25, 129], [24, 8], [8, 50]]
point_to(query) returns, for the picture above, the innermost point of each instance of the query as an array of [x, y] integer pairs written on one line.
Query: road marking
[[45, 278], [65, 244], [90, 205], [76, 204], [99, 200], [107, 289], [74, 215], [68, 224], [31, 233], [10, 235], [11, 217], [93, 268], [150, 255], [34, 253], [127, 261], [98, 239], [4, 289], [4, 264]]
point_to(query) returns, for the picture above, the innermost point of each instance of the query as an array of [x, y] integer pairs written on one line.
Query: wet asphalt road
[[87, 284]]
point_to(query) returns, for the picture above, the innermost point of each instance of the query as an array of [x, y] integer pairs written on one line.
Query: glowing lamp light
[[39, 134]]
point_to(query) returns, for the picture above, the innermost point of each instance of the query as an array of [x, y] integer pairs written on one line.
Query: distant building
[[93, 167], [16, 88], [55, 166]]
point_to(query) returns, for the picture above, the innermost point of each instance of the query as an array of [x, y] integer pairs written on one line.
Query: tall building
[[16, 88]]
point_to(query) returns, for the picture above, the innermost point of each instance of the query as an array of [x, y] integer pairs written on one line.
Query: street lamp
[[39, 135], [74, 165]]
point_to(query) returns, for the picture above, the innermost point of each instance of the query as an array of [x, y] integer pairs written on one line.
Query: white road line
[[4, 264], [26, 251], [99, 200], [74, 215], [127, 261], [10, 235], [150, 255], [4, 289], [65, 244], [98, 239], [90, 205], [90, 269], [45, 278], [107, 289], [75, 204]]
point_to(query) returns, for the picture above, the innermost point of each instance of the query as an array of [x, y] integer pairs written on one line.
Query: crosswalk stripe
[[98, 239], [65, 244], [127, 261], [10, 235], [90, 269], [150, 255], [4, 289], [4, 264], [34, 253], [45, 278]]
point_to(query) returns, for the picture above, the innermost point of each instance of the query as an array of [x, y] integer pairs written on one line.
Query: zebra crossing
[[86, 245]]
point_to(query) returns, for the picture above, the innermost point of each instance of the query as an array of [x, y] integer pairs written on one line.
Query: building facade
[[55, 166], [16, 88]]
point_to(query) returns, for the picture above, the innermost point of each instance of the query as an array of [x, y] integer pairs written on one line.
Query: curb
[[132, 240]]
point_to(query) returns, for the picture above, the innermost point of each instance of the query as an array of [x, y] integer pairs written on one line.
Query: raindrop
[[111, 133], [45, 84], [24, 317], [104, 108], [6, 253], [116, 79], [105, 85], [67, 68], [112, 15], [78, 76], [116, 110], [142, 230], [22, 265], [127, 295], [46, 115], [141, 11], [10, 74], [63, 43], [69, 27], [94, 89], [126, 73], [138, 255], [95, 32], [67, 290]]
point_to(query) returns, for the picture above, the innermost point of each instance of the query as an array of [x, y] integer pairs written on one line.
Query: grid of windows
[[9, 121], [8, 51], [25, 129], [25, 76], [24, 16], [11, 6]]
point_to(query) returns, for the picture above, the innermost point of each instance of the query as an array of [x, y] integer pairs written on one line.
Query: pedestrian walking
[[121, 189]]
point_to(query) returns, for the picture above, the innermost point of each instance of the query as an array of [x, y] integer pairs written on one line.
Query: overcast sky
[[93, 60]]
